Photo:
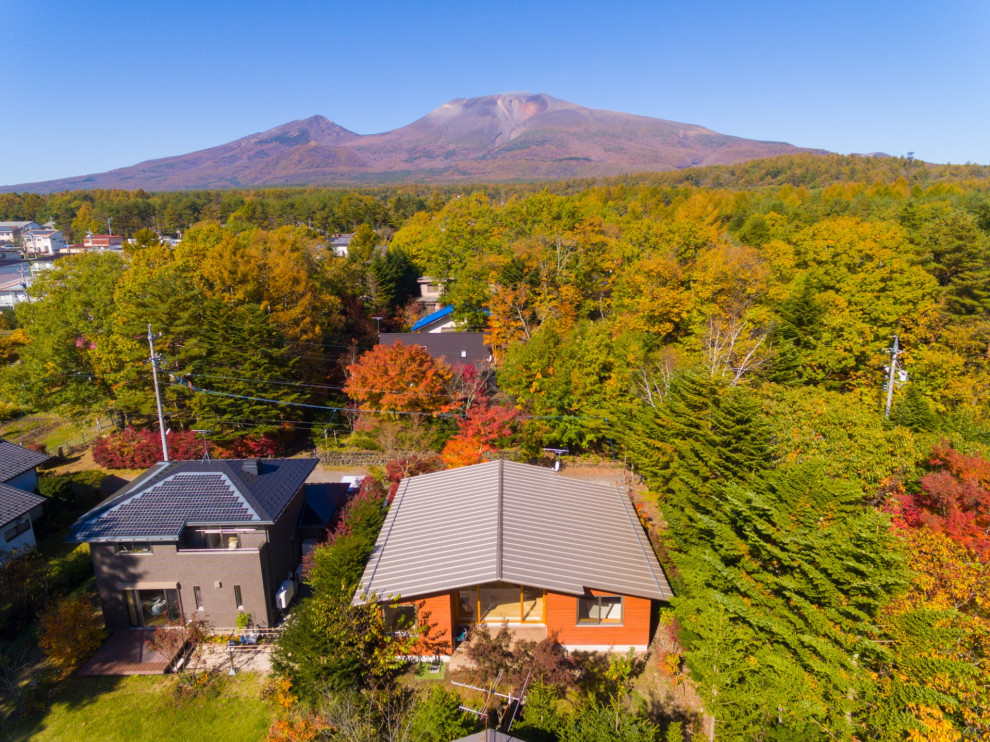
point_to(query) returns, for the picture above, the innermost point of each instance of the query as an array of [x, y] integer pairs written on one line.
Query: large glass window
[[532, 605], [467, 605], [500, 602], [599, 609], [152, 607]]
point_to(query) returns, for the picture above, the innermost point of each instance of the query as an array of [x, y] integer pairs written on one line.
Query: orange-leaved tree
[[478, 433], [399, 378], [69, 631]]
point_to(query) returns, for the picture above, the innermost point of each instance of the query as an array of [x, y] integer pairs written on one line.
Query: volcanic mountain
[[513, 136]]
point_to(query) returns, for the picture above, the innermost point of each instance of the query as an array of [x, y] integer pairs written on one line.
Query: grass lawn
[[143, 708]]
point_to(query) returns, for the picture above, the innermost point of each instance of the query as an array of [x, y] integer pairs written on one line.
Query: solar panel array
[[163, 509]]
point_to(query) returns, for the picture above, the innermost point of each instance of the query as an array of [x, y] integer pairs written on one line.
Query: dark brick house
[[213, 538]]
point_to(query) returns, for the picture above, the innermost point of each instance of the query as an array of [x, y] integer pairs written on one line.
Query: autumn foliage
[[399, 378], [478, 432], [137, 448], [953, 498], [69, 631]]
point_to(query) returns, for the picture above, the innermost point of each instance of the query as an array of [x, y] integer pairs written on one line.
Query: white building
[[10, 232], [14, 291], [42, 242]]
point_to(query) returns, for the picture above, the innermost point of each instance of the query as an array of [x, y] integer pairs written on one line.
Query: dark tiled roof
[[453, 347], [16, 502], [322, 501], [16, 460], [170, 496]]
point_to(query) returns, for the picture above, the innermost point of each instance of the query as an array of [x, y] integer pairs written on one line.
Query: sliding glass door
[[500, 602], [153, 607]]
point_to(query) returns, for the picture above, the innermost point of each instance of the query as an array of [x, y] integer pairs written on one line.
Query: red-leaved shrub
[[139, 448]]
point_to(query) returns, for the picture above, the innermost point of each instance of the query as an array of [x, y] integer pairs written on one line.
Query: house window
[[501, 602], [237, 597], [400, 618], [133, 547], [532, 605], [17, 529], [218, 538], [198, 597], [152, 607], [600, 609]]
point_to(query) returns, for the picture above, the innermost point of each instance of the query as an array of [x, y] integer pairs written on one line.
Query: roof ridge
[[498, 528], [244, 491]]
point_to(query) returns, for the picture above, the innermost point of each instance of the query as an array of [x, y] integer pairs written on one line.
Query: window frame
[[19, 528], [126, 547], [598, 602], [472, 594]]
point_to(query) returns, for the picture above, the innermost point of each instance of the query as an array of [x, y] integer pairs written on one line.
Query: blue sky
[[95, 85]]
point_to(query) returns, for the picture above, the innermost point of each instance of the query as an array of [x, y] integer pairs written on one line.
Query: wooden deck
[[125, 653], [459, 658]]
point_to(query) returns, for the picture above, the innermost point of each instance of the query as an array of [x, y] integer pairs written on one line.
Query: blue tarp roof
[[431, 318]]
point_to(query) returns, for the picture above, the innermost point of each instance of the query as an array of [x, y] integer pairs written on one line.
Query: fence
[[57, 436]]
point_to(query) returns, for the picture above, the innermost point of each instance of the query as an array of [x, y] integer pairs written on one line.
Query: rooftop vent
[[252, 466]]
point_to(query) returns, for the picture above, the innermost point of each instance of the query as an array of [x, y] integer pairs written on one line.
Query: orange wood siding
[[562, 612], [442, 616]]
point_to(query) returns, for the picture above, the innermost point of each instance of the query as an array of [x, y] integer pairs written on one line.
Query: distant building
[[442, 320], [103, 242], [339, 243], [13, 291], [10, 232], [429, 294], [37, 242], [450, 347]]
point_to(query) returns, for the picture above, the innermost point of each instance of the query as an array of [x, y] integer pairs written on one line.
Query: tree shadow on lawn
[[68, 696]]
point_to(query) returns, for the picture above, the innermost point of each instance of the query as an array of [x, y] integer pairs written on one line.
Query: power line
[[315, 406]]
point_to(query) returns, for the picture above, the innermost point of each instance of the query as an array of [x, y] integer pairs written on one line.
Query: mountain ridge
[[509, 136]]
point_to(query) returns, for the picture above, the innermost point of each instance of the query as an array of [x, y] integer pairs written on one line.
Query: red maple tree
[[953, 499]]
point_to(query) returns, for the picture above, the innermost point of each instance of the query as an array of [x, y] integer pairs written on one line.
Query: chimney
[[252, 466]]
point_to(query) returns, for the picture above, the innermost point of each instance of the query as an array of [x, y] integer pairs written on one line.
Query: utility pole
[[894, 353], [158, 394]]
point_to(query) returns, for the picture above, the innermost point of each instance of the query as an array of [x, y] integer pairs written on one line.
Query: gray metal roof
[[15, 460], [162, 501], [515, 523], [16, 502], [452, 347]]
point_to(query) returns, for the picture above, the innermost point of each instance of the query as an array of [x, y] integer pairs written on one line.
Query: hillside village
[[692, 456]]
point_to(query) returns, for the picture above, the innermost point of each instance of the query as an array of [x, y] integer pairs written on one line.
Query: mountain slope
[[498, 137]]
